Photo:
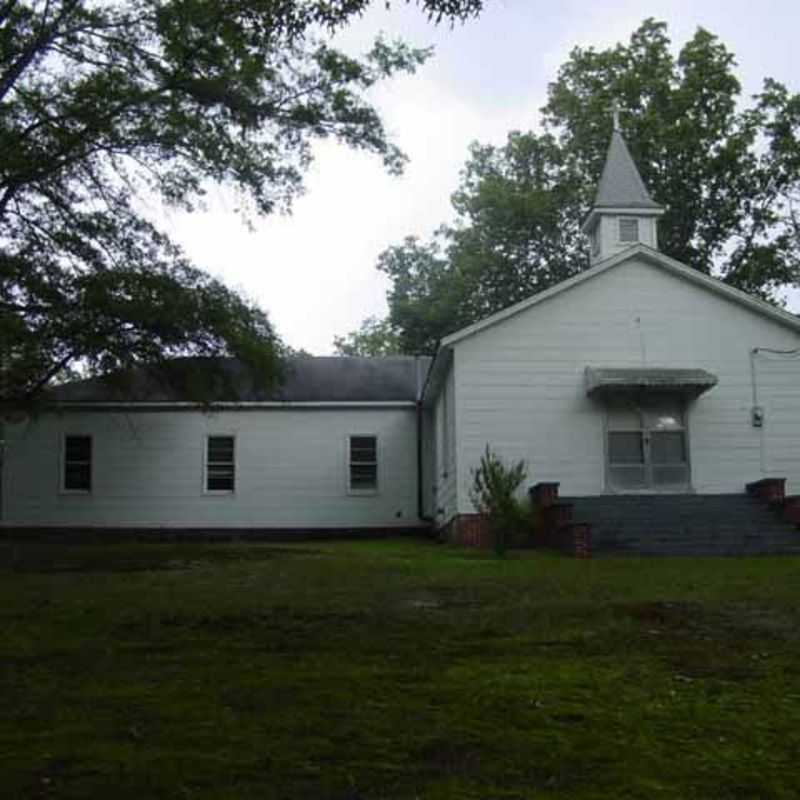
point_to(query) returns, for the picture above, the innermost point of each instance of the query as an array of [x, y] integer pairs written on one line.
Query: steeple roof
[[621, 185]]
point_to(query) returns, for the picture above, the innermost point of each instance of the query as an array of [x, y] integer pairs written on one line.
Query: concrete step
[[685, 525]]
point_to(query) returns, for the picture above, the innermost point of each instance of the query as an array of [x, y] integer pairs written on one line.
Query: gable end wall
[[520, 383]]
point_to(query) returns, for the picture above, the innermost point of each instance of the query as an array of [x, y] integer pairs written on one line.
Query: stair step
[[688, 524]]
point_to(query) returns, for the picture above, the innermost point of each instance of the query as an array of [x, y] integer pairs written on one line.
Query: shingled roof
[[621, 185], [227, 380]]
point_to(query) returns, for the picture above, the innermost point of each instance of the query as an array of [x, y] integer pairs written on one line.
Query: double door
[[646, 445]]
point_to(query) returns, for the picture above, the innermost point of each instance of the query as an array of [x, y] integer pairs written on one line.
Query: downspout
[[420, 458]]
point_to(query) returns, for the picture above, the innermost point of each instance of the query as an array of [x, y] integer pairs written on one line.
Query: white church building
[[640, 376]]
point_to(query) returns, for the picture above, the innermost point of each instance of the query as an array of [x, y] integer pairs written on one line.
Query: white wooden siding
[[291, 469], [519, 384]]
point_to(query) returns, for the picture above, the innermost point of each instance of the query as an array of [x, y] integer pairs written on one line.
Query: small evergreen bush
[[493, 493]]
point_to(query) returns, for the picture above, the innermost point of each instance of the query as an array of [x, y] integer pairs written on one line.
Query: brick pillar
[[544, 495], [768, 490]]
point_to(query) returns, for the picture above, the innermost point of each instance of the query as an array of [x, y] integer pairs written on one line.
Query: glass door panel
[[626, 459], [669, 464], [646, 446], [667, 447]]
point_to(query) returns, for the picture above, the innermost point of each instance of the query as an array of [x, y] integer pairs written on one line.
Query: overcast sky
[[314, 271]]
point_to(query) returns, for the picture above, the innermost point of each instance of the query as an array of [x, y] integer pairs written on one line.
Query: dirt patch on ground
[[730, 642]]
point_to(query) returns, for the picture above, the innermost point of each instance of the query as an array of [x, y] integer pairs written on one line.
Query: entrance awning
[[602, 381]]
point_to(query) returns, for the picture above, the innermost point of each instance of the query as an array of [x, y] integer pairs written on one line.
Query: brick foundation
[[554, 527], [791, 509], [572, 539], [469, 530]]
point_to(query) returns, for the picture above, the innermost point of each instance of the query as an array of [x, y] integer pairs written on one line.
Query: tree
[[729, 178], [723, 174], [375, 337], [518, 231], [426, 293], [101, 103]]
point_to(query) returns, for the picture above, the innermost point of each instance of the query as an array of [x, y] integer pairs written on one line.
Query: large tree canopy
[[728, 175], [102, 102], [519, 211], [374, 338]]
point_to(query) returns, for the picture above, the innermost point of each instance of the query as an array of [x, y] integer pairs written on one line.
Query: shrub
[[493, 493]]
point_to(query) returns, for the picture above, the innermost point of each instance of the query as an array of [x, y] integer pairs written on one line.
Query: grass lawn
[[394, 669]]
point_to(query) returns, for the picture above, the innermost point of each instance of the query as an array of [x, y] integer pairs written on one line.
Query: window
[[77, 464], [647, 446], [628, 229], [220, 464], [363, 464]]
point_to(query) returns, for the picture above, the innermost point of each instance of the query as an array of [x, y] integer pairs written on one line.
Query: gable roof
[[651, 256], [325, 379], [621, 185], [654, 257]]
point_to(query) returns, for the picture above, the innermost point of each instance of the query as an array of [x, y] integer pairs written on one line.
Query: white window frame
[[637, 222], [348, 464], [63, 464], [220, 492]]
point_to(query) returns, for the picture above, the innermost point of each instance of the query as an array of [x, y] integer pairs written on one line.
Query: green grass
[[394, 669]]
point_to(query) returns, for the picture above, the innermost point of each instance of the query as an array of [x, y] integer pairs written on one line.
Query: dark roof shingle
[[306, 379], [621, 185]]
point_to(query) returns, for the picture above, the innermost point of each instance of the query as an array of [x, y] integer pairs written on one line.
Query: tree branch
[[6, 9], [35, 47]]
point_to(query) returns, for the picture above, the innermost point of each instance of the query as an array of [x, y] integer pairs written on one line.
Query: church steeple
[[623, 214]]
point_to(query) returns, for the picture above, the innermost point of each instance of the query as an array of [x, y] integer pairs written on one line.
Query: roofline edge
[[660, 259], [232, 405]]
